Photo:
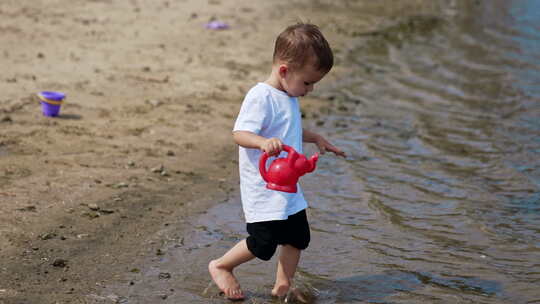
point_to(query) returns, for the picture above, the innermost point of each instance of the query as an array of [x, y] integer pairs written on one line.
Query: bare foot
[[226, 281], [280, 291]]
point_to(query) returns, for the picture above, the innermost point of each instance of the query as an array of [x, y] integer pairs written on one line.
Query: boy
[[270, 117]]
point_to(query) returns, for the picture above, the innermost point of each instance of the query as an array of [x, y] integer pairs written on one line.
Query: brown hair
[[300, 42]]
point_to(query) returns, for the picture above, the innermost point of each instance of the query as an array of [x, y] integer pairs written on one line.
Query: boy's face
[[299, 82]]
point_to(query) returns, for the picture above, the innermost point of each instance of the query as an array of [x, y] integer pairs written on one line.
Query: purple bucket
[[51, 102]]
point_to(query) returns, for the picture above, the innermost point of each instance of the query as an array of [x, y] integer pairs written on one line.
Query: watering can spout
[[313, 162]]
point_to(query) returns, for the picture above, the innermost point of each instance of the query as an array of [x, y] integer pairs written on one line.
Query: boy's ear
[[283, 69]]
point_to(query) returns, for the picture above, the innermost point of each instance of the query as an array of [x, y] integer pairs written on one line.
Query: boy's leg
[[289, 257], [221, 270]]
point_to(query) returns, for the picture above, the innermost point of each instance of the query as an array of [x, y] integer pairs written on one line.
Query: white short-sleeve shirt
[[268, 112]]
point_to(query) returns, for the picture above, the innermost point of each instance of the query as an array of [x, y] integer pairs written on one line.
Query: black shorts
[[265, 236]]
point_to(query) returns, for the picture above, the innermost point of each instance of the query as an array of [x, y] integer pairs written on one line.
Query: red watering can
[[283, 173]]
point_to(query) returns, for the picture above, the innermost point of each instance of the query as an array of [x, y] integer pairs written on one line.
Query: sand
[[143, 139]]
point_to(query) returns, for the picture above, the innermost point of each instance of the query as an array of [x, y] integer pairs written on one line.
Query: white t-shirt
[[268, 112]]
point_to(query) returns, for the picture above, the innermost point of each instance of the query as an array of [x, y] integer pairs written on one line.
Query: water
[[439, 201]]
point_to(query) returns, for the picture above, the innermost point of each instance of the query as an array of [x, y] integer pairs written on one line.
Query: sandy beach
[[143, 140]]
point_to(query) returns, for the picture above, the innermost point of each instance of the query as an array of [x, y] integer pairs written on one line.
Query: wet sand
[[143, 141]]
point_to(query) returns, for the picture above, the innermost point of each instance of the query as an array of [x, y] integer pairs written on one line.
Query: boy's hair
[[303, 41]]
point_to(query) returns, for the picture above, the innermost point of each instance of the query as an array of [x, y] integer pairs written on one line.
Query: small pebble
[[158, 169], [164, 275], [154, 102], [60, 263], [47, 236], [6, 119], [120, 185]]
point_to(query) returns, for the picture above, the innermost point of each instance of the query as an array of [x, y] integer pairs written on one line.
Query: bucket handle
[[53, 102]]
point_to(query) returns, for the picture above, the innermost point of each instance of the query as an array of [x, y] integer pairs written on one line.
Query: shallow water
[[439, 201]]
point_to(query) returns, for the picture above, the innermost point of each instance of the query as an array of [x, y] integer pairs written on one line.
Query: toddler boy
[[270, 117]]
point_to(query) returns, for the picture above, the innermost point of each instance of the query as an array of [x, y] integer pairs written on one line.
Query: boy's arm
[[250, 140], [321, 142]]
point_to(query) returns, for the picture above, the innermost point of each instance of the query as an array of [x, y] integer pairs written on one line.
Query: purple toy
[[217, 25], [51, 102]]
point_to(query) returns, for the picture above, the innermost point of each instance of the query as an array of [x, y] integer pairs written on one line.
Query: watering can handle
[[264, 158]]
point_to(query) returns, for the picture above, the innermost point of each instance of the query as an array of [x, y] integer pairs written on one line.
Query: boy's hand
[[324, 146], [272, 146]]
